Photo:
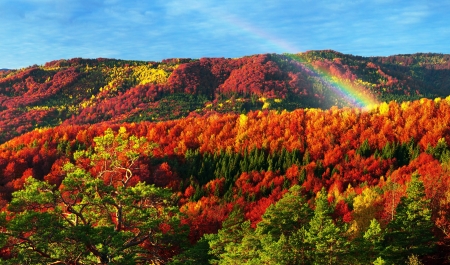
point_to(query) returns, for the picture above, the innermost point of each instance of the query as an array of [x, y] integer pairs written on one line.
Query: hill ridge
[[87, 91]]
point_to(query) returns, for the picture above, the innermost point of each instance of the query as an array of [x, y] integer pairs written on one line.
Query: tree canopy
[[99, 214]]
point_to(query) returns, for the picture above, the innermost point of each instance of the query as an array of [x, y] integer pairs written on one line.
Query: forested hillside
[[87, 91], [255, 160]]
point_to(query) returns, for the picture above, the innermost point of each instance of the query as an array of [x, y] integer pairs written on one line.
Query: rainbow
[[352, 94]]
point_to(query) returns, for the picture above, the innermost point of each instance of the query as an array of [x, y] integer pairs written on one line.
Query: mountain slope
[[87, 91], [241, 172]]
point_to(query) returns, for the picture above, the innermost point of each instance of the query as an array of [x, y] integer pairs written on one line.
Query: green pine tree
[[410, 233], [196, 254], [289, 214], [234, 228], [326, 238], [282, 230], [371, 246]]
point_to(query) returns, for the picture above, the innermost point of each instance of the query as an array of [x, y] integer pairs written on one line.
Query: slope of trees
[[87, 91], [226, 161], [368, 177]]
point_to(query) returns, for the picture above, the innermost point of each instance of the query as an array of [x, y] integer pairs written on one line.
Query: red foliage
[[343, 212], [261, 77], [328, 140], [255, 210], [164, 177]]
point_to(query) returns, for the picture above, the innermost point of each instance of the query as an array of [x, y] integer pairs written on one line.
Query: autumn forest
[[252, 160]]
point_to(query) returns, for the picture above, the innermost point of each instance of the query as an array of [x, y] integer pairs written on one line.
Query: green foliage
[[364, 150], [403, 152], [92, 219], [379, 261], [207, 166], [196, 254], [169, 107], [287, 215], [280, 238], [283, 229], [411, 230], [175, 106], [326, 238], [226, 242], [245, 252], [372, 243], [441, 151], [287, 234]]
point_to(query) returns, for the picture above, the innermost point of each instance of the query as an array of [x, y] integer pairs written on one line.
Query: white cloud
[[36, 31]]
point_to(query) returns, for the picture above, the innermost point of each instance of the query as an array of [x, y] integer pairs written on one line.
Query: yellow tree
[[365, 208]]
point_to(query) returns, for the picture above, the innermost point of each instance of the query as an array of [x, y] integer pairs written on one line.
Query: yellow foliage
[[37, 108], [243, 120], [87, 103], [370, 107], [122, 130], [145, 74], [168, 67], [365, 207], [405, 105], [364, 83], [72, 108], [242, 130], [383, 108], [116, 76]]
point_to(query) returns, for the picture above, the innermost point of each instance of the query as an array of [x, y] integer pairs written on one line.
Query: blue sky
[[38, 31]]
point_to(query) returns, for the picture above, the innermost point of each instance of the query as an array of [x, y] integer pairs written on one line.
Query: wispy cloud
[[36, 31]]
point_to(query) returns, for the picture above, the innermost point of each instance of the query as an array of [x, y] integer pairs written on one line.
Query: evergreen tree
[[410, 233], [364, 150], [234, 228], [289, 214], [282, 230], [197, 254], [278, 239], [372, 243], [276, 251], [245, 252], [326, 238]]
